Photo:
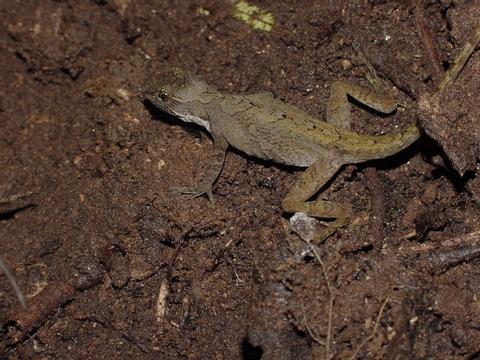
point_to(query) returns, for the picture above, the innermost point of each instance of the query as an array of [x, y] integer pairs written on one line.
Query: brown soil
[[114, 265]]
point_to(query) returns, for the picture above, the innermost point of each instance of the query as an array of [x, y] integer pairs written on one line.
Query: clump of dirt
[[451, 116], [113, 264]]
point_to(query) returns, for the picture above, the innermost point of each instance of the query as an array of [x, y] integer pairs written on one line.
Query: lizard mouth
[[154, 100]]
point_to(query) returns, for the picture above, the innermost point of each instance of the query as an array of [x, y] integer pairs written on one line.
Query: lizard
[[265, 127]]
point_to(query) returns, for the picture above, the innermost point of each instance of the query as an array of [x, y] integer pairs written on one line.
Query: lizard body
[[270, 129], [267, 128]]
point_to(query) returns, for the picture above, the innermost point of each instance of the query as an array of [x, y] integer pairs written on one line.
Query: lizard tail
[[382, 146]]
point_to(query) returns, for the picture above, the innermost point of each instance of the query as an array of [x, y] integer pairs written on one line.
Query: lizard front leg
[[310, 182], [215, 165]]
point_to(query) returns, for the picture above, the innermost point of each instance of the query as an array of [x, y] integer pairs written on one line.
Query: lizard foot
[[329, 231], [312, 230]]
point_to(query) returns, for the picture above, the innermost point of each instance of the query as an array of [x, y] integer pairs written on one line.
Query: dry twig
[[310, 332], [374, 331], [13, 282], [313, 248]]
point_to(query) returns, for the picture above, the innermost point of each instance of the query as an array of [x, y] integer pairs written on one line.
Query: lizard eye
[[163, 96]]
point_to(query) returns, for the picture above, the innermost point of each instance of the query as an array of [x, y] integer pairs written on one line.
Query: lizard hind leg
[[309, 183], [338, 109]]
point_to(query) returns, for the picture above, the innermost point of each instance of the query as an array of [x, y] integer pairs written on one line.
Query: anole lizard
[[267, 128]]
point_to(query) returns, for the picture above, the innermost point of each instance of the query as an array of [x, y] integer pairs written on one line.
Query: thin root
[[374, 331], [459, 63], [310, 332], [427, 38], [313, 248], [13, 282]]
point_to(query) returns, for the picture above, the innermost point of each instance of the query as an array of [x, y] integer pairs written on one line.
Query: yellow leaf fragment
[[203, 11], [252, 15]]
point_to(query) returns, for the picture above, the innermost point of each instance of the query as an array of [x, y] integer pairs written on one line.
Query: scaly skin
[[270, 129], [267, 128]]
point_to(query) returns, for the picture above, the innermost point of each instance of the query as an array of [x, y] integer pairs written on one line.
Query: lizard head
[[182, 95]]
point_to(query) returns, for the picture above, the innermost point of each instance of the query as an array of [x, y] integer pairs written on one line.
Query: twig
[[13, 282], [374, 331], [330, 292], [459, 63], [371, 73], [161, 307], [427, 38], [12, 198], [14, 203], [310, 332], [387, 72], [449, 253]]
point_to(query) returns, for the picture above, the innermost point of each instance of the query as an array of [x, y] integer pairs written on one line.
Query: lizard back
[[268, 128]]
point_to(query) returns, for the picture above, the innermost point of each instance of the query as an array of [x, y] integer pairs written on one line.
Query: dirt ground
[[115, 265]]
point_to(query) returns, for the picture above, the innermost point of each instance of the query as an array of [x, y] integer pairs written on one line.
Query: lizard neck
[[199, 111]]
